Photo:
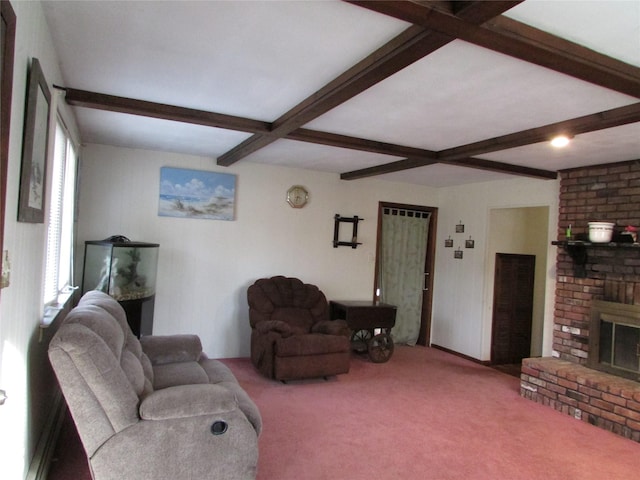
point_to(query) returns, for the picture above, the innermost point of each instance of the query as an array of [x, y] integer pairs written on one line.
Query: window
[[59, 255]]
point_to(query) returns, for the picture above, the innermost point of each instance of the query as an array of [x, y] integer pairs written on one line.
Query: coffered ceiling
[[434, 93]]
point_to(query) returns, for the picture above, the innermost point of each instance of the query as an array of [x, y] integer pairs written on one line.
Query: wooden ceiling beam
[[575, 126], [500, 167], [361, 144], [411, 45], [554, 45], [112, 103], [416, 157], [397, 166], [391, 58], [520, 41], [477, 163], [463, 155]]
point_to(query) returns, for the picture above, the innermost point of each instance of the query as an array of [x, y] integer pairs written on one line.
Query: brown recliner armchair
[[292, 337]]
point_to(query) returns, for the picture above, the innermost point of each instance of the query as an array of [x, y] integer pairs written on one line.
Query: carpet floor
[[425, 414]]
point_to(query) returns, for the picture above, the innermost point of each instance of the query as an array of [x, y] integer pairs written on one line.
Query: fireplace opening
[[614, 339]]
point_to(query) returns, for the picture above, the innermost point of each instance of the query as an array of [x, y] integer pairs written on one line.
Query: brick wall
[[609, 193]]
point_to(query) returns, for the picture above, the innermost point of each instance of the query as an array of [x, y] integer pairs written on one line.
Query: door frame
[[424, 337], [529, 231], [6, 88]]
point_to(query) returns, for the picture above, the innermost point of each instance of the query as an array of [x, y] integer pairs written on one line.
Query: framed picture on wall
[[199, 194], [34, 147]]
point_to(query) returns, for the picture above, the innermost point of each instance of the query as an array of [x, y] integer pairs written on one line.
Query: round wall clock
[[297, 196]]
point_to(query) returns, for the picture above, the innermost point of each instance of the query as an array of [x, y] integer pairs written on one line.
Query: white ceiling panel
[[317, 157], [109, 128], [253, 59], [603, 146], [463, 94], [441, 175], [611, 27]]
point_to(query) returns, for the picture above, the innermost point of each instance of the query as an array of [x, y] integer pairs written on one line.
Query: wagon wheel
[[360, 340], [380, 348]]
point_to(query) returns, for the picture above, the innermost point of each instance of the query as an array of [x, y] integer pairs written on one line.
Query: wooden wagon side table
[[364, 319]]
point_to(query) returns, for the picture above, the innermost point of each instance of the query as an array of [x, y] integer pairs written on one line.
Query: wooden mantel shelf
[[580, 244], [577, 250]]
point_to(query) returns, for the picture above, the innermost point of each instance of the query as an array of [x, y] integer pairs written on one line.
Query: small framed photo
[[469, 243], [458, 254], [460, 228], [448, 242]]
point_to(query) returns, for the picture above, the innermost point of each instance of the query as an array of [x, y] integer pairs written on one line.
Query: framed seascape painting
[[188, 193]]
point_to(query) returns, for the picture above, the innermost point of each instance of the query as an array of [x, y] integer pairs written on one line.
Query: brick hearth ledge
[[607, 401]]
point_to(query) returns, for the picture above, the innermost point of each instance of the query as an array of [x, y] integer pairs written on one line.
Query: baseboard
[[486, 363], [39, 468]]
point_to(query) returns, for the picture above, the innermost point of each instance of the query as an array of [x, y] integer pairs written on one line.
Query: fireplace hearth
[[614, 339], [607, 401], [575, 379]]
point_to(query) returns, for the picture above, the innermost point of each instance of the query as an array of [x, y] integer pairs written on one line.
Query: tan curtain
[[401, 275]]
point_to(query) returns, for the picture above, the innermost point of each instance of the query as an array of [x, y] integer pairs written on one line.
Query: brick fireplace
[[564, 381]]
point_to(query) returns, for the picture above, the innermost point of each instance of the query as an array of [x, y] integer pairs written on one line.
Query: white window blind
[[59, 254]]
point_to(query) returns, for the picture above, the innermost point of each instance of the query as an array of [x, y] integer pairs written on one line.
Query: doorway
[[404, 267], [521, 230], [512, 308]]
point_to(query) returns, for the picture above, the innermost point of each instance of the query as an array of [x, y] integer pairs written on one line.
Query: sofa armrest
[[332, 327], [176, 448], [171, 348], [276, 326], [187, 401]]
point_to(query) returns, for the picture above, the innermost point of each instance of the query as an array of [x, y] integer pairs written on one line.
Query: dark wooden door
[[512, 308]]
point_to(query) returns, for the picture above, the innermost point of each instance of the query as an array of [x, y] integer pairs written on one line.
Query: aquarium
[[126, 270]]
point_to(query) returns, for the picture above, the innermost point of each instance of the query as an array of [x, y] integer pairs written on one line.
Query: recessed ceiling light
[[561, 141]]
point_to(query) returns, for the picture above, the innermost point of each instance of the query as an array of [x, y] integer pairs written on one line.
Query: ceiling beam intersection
[[520, 41], [575, 126], [406, 48], [417, 156], [461, 156]]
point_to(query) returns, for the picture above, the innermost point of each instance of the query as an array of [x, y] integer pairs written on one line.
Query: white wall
[[24, 369], [461, 314], [205, 266]]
